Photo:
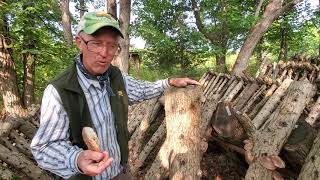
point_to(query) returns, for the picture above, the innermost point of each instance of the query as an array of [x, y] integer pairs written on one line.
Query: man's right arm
[[51, 146]]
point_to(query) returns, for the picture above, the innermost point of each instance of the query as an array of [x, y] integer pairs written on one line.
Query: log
[[8, 144], [299, 143], [22, 144], [28, 129], [230, 87], [180, 152], [271, 104], [314, 113], [226, 124], [246, 124], [8, 124], [20, 162], [246, 88], [212, 90], [137, 138], [311, 168], [218, 90], [210, 78], [234, 92], [134, 123], [6, 173], [156, 137], [266, 97], [205, 78], [211, 84], [246, 96], [269, 140], [254, 97]]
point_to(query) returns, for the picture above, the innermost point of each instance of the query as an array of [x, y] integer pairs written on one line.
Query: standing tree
[[273, 10], [112, 7], [66, 21], [82, 7], [227, 22], [8, 79], [122, 60], [283, 53]]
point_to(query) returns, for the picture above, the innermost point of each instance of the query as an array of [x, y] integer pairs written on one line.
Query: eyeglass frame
[[86, 43]]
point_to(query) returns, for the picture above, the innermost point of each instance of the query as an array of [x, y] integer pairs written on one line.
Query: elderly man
[[96, 94]]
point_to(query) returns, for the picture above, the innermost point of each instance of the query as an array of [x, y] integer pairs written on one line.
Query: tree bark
[[270, 139], [271, 104], [8, 80], [283, 53], [66, 21], [299, 144], [138, 137], [273, 10], [82, 8], [28, 78], [180, 154], [19, 161], [122, 60], [112, 7], [311, 168], [256, 14], [314, 113]]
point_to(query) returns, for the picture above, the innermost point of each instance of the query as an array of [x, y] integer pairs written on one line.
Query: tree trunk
[[122, 60], [180, 154], [221, 62], [283, 53], [8, 80], [82, 8], [273, 10], [66, 21], [270, 139], [28, 79], [311, 168], [256, 14], [112, 7]]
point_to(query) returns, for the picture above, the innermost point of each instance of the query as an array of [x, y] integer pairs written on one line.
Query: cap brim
[[91, 29]]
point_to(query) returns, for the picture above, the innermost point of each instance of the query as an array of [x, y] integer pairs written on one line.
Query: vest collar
[[71, 82]]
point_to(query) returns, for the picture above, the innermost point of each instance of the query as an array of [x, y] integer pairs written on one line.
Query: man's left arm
[[139, 90]]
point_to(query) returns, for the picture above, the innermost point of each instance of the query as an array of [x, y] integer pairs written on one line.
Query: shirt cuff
[[73, 161], [166, 83]]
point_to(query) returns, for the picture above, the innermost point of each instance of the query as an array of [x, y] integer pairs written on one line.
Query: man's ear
[[78, 41]]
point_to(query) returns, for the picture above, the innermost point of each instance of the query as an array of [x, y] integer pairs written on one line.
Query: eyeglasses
[[98, 46]]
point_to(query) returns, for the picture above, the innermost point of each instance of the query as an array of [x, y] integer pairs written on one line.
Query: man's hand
[[93, 163], [182, 82]]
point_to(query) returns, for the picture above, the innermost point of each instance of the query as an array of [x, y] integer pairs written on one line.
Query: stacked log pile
[[266, 128], [271, 121], [16, 160]]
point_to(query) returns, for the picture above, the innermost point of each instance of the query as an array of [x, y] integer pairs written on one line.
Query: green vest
[[75, 104]]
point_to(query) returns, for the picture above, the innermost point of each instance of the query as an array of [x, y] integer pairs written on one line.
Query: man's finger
[[191, 81], [93, 155], [106, 162]]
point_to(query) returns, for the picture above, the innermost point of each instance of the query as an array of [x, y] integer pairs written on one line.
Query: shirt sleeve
[[51, 146], [139, 90]]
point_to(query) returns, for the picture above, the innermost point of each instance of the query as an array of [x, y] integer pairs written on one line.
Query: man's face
[[98, 50]]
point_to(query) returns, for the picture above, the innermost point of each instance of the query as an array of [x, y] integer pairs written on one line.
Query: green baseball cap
[[92, 21]]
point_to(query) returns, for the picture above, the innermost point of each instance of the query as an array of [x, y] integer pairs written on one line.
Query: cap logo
[[103, 14]]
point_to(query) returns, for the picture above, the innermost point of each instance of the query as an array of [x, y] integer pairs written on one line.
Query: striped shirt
[[51, 146]]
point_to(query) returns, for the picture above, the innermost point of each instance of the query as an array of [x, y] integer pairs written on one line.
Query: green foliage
[[302, 32], [35, 28]]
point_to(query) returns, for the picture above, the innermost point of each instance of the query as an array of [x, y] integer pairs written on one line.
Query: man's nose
[[104, 51]]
